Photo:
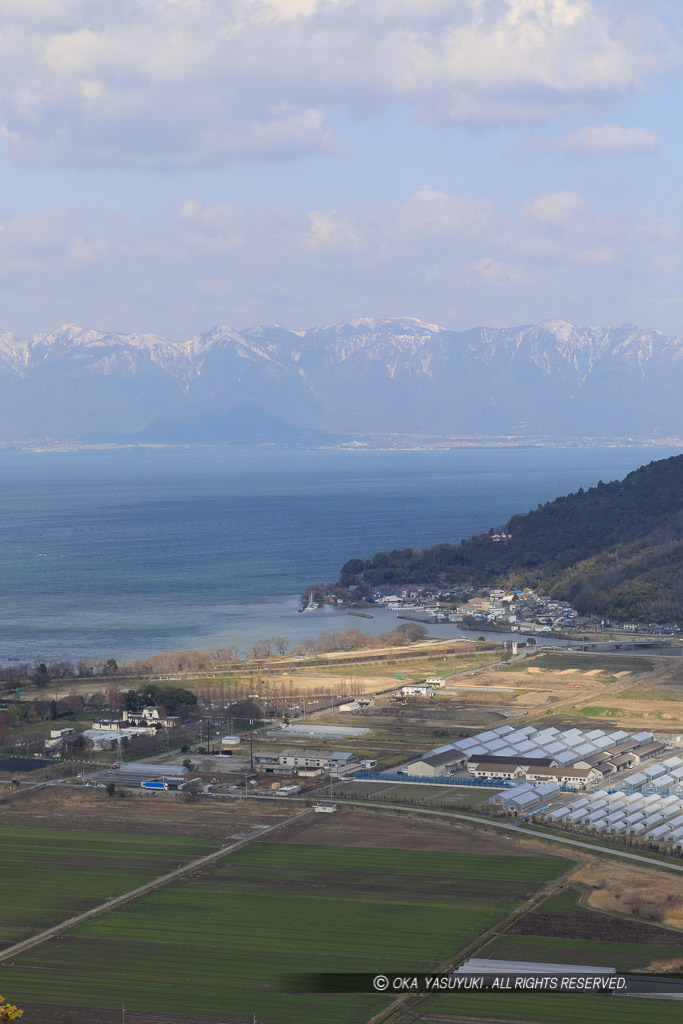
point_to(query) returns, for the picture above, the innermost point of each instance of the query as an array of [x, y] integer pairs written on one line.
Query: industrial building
[[481, 965], [319, 731], [572, 757], [440, 763], [304, 762], [524, 798], [649, 818]]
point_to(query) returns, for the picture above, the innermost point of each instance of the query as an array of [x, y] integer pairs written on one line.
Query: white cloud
[[496, 270], [195, 83], [438, 256], [609, 139], [556, 207]]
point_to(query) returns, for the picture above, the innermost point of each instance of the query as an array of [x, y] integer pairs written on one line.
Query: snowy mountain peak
[[400, 375]]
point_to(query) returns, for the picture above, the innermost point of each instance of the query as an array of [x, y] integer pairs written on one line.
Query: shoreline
[[397, 443]]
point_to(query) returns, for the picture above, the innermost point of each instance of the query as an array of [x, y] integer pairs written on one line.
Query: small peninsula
[[614, 550]]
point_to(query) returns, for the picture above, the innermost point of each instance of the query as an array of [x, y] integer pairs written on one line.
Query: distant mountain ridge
[[361, 376]]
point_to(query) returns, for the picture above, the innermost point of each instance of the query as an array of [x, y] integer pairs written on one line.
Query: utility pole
[[251, 743]]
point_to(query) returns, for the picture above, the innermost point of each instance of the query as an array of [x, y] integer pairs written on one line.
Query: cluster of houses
[[426, 601], [523, 611], [108, 732], [571, 758], [515, 610], [422, 688]]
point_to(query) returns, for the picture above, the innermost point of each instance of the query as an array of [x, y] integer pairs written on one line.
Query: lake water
[[125, 553]]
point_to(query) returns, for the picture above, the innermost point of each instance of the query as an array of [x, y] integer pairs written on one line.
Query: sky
[[168, 165]]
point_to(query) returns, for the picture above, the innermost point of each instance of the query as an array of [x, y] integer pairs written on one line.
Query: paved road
[[490, 823], [141, 890], [519, 829]]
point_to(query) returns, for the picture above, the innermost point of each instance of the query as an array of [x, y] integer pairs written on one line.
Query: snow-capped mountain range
[[361, 376]]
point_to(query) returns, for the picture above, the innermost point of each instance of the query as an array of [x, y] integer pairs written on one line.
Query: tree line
[[43, 673]]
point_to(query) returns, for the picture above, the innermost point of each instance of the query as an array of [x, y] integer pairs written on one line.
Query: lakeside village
[[493, 609]]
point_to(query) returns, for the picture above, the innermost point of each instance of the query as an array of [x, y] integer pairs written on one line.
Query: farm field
[[655, 695], [224, 942], [91, 810], [435, 795], [46, 877], [541, 1007], [561, 930], [411, 791], [417, 668], [605, 663], [385, 829], [636, 712], [395, 733], [465, 796]]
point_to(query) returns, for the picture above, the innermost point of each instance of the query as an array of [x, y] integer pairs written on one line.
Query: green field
[[466, 796], [435, 795], [550, 1008], [47, 876], [660, 693], [603, 712], [626, 956], [224, 942], [410, 791], [557, 918], [561, 930]]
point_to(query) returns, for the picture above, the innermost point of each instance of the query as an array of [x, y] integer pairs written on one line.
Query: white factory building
[[570, 757], [654, 818]]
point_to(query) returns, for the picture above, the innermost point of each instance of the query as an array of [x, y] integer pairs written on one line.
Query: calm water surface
[[126, 553]]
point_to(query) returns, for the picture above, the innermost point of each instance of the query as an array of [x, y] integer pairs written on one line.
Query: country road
[[141, 890], [519, 829], [489, 823]]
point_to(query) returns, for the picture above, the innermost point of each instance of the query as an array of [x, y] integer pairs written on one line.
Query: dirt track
[[384, 831], [35, 940], [87, 810], [42, 1013]]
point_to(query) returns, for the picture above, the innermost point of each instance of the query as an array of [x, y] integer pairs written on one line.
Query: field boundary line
[[408, 1002], [435, 1018], [652, 862], [520, 830], [142, 890]]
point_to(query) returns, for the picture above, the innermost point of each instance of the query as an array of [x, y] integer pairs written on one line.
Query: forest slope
[[615, 550]]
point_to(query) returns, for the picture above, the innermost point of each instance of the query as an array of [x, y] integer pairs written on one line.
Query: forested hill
[[615, 550]]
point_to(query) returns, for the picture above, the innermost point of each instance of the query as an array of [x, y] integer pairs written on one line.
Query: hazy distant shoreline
[[399, 443]]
